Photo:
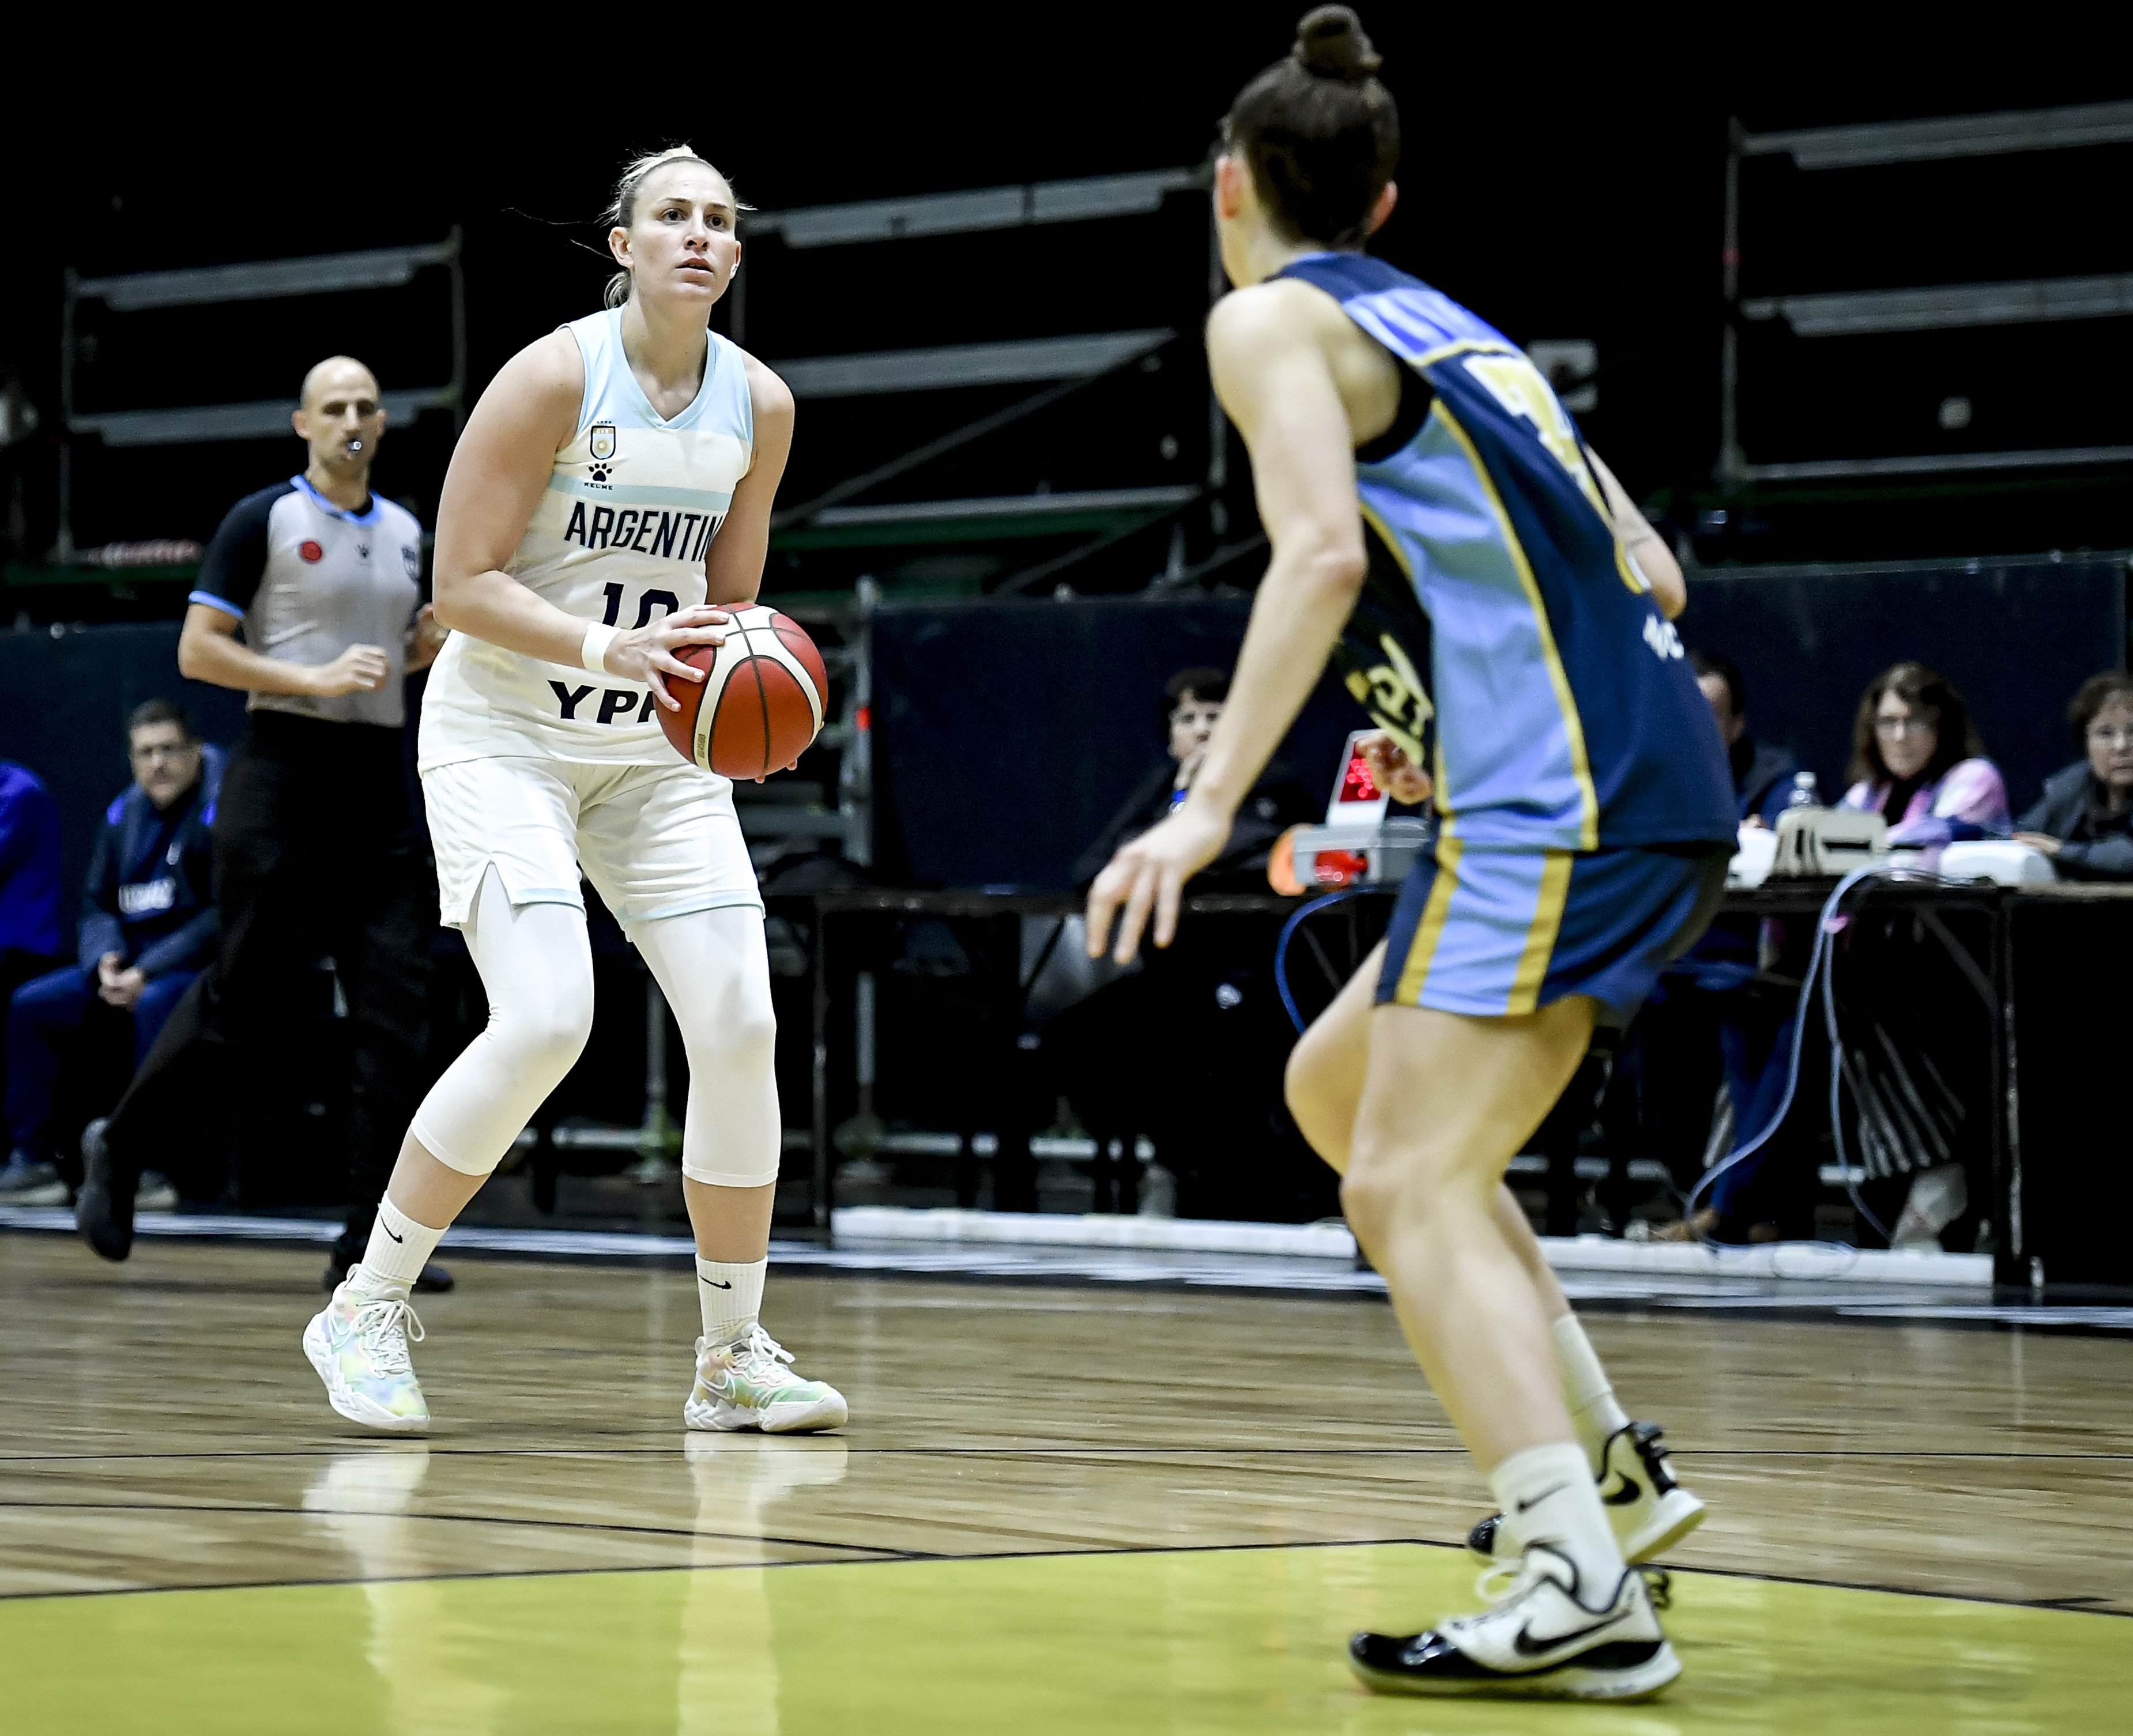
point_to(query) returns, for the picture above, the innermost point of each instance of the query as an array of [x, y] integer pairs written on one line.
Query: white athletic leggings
[[537, 965]]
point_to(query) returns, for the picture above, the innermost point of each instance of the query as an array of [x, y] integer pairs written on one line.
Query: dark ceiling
[[1565, 180]]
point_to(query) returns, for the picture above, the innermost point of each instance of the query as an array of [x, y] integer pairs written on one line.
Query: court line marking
[[372, 1513], [217, 1455], [2054, 1606], [1596, 1292]]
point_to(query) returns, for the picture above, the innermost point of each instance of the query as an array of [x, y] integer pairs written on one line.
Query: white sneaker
[[31, 1181], [359, 1344], [1543, 1641], [748, 1385], [1649, 1511], [154, 1194]]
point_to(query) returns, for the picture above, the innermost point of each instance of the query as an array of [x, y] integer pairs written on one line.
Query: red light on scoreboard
[[1357, 783]]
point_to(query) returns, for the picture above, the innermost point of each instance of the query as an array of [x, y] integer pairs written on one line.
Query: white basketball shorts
[[654, 840]]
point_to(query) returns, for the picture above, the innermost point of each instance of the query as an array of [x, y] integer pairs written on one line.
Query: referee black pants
[[315, 856]]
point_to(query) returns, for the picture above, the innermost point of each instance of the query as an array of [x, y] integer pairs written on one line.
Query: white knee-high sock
[[398, 1250], [731, 1296], [1595, 1412], [1547, 1496]]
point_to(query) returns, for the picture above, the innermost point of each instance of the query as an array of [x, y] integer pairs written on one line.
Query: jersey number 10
[[645, 602]]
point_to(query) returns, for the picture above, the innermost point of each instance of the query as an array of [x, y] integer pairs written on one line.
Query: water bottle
[[1803, 792]]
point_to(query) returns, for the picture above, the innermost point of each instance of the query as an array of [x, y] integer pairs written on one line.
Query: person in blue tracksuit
[[29, 883], [148, 923]]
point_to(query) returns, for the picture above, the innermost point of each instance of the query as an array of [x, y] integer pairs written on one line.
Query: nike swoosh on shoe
[[1526, 1646]]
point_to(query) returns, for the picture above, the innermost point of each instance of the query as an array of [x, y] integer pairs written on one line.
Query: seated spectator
[[1764, 776], [1711, 1016], [29, 880], [2084, 819], [1919, 763], [147, 926], [1192, 701], [1189, 1048]]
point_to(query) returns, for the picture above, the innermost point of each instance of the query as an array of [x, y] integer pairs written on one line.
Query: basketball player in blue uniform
[[1584, 820], [612, 487]]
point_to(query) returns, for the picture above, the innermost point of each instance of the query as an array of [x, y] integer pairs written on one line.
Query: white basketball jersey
[[620, 538]]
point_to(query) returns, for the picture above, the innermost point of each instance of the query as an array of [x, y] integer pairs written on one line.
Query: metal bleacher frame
[[1060, 366], [1934, 307], [372, 268]]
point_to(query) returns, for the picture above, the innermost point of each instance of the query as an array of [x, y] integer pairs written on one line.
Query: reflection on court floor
[[1214, 1641]]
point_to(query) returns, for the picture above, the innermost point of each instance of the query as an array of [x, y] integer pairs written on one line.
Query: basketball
[[761, 701]]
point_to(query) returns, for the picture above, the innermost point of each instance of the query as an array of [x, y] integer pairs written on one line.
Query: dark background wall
[[1565, 179], [2016, 638], [1008, 733]]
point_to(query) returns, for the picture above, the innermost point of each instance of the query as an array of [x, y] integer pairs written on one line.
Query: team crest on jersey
[[603, 440]]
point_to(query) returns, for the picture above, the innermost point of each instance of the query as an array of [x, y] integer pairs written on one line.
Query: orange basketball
[[761, 703]]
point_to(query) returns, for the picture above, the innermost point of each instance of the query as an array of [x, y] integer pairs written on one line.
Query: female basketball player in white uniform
[[613, 488]]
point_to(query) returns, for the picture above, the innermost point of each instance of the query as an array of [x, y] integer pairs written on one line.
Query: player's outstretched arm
[[733, 568], [1644, 544], [1267, 348], [498, 472]]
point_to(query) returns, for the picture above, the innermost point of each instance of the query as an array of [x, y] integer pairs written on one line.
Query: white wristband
[[593, 653]]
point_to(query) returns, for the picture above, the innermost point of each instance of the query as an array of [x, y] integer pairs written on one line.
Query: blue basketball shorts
[[1495, 932]]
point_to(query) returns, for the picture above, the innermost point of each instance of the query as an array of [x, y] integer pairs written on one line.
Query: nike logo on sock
[[388, 1231], [1527, 1507], [715, 1285]]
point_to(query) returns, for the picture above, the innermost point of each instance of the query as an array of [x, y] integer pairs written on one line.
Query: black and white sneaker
[[1542, 1641], [1649, 1511]]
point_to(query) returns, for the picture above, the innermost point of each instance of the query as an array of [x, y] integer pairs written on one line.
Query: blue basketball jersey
[[1565, 713]]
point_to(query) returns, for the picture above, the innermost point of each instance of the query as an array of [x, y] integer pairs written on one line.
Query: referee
[[315, 852]]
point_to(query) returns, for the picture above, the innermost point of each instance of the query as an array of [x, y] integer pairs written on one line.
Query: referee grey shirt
[[309, 578]]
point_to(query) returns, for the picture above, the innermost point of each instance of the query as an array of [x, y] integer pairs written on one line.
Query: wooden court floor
[[1055, 1509]]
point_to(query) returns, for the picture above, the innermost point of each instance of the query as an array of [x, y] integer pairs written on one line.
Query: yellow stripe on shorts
[[1540, 939], [1431, 929]]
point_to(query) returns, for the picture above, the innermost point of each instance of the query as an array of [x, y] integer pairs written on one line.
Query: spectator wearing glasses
[[1919, 763], [1909, 1024], [2084, 819], [148, 923]]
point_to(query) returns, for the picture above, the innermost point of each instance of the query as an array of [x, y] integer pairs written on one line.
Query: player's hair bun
[[1330, 41], [1320, 133]]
